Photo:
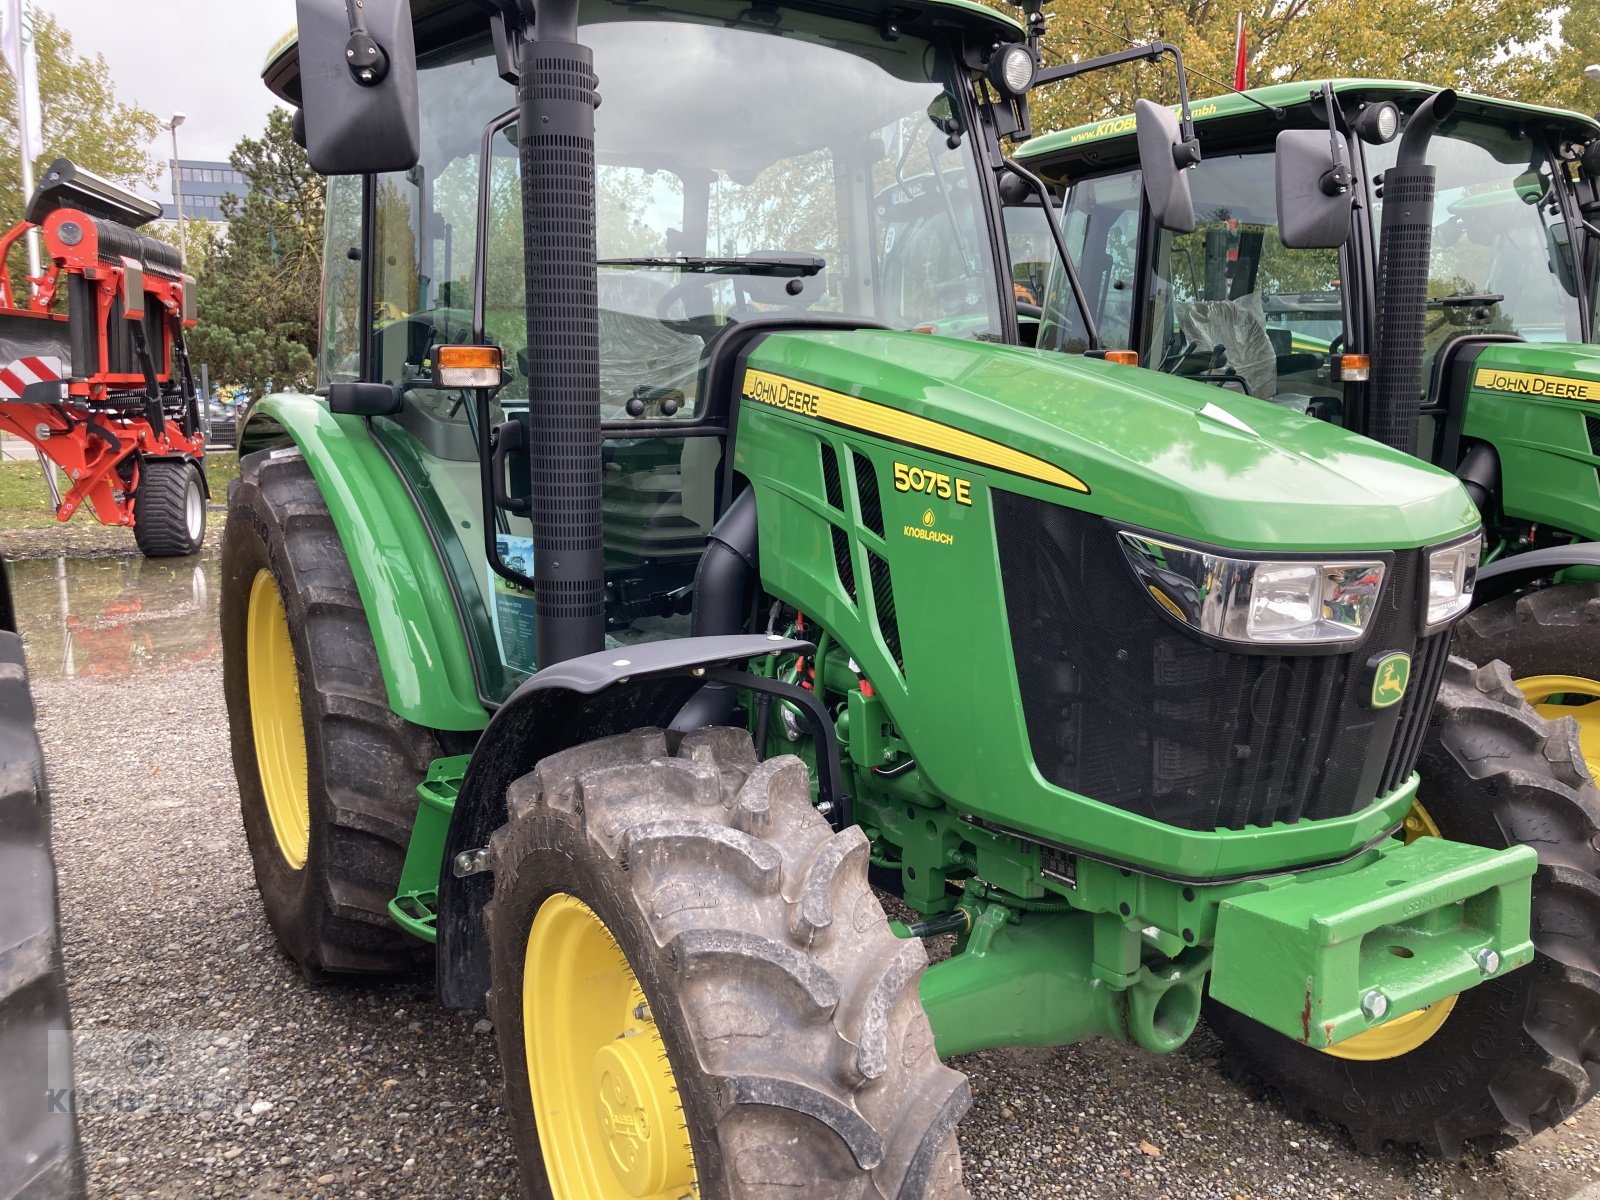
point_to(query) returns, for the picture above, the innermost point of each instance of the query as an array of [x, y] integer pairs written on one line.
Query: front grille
[[1124, 706]]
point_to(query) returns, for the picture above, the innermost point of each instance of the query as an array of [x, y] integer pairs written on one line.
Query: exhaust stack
[[557, 99], [1405, 242]]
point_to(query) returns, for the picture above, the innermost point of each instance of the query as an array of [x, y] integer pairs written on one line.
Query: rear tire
[[39, 1156], [1549, 632], [802, 1060], [169, 508], [1517, 1054], [326, 875]]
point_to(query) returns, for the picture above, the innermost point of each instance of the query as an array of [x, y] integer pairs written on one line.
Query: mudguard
[[576, 701], [427, 668], [1508, 574]]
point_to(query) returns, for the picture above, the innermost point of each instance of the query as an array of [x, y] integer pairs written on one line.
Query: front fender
[[1508, 574], [568, 703], [422, 649]]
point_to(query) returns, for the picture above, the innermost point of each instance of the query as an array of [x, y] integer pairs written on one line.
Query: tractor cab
[[843, 177], [1239, 302]]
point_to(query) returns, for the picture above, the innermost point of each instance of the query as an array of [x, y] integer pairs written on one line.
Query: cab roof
[[1241, 116], [440, 23]]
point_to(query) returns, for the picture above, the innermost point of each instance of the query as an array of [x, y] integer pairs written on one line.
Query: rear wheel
[[1514, 1055], [169, 508], [327, 773], [1550, 638], [697, 994]]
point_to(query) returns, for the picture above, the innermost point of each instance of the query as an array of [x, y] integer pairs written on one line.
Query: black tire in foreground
[[801, 1061], [169, 508], [1516, 1054], [327, 773], [38, 1141]]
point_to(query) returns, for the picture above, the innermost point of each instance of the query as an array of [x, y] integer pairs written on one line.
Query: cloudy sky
[[198, 57]]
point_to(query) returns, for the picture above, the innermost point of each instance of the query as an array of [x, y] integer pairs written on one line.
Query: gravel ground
[[370, 1090]]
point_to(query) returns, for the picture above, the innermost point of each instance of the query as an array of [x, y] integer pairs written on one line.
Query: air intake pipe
[[556, 98], [722, 585], [1405, 242]]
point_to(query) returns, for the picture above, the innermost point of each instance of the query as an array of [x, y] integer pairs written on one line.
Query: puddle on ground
[[116, 617]]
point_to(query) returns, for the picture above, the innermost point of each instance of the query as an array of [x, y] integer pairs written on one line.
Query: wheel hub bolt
[[1374, 1004], [1488, 961]]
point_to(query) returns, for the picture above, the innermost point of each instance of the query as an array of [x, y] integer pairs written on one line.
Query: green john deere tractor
[[640, 579]]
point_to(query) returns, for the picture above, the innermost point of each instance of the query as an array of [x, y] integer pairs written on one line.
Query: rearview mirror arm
[[1053, 220], [1185, 155]]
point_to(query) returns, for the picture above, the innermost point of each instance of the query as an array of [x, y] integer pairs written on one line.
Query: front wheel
[[1515, 1055], [169, 508], [697, 994]]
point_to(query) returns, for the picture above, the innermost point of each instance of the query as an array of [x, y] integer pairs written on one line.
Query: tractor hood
[[1190, 460]]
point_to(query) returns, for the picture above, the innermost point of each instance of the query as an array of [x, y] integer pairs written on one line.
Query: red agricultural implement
[[99, 377]]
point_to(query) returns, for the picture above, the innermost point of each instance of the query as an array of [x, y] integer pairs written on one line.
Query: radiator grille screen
[[1127, 708]]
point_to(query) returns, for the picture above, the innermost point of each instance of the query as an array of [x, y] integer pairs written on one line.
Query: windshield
[[1100, 221], [717, 204], [1498, 236]]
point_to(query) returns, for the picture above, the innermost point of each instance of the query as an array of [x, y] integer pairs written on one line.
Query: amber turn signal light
[[1352, 368], [466, 366], [1123, 358]]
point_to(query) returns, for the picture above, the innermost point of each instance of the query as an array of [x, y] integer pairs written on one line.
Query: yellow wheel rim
[[276, 721], [1569, 696], [1406, 1032], [605, 1102]]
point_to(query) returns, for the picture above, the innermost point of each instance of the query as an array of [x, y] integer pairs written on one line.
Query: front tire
[[745, 943], [327, 773], [169, 508], [1514, 1055]]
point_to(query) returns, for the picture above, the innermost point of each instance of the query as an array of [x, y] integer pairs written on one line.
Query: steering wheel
[[1024, 309]]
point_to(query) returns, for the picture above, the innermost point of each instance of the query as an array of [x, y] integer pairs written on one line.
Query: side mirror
[[1161, 151], [358, 86], [1314, 190], [364, 399]]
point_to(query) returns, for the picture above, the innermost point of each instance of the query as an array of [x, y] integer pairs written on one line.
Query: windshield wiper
[[1465, 300], [781, 265]]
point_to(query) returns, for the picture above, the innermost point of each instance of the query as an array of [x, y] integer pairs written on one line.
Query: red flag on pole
[[1238, 55]]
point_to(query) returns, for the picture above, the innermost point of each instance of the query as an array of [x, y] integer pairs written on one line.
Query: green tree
[[258, 295], [1493, 47], [80, 117]]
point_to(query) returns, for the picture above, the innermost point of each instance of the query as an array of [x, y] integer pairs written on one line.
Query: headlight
[[1012, 69], [1260, 601], [1452, 570]]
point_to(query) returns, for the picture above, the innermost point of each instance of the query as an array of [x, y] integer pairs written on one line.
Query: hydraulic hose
[[555, 135], [1404, 246]]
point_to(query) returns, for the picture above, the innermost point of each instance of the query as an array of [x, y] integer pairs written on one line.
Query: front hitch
[[1322, 958]]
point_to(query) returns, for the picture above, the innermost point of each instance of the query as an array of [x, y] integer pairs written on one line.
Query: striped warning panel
[[28, 370]]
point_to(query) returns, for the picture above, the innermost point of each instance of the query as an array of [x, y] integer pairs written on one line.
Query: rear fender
[[580, 700], [411, 610]]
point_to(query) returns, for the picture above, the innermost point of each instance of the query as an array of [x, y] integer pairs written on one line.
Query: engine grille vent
[[883, 603], [867, 489], [1125, 707]]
